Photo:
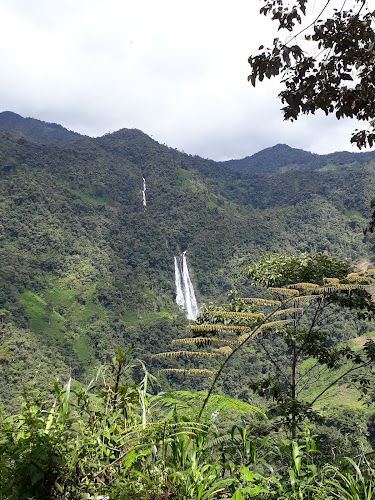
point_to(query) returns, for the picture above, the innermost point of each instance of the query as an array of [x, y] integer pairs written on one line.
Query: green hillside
[[282, 157], [85, 267], [37, 130]]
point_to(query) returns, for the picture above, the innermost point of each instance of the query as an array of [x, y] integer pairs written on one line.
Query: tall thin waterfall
[[144, 193], [185, 294]]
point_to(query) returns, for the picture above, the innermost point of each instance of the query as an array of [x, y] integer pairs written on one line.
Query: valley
[[87, 263]]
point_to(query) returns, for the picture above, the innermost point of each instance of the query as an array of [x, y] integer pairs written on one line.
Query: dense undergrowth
[[115, 438]]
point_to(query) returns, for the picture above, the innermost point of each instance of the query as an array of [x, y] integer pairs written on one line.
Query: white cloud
[[177, 71]]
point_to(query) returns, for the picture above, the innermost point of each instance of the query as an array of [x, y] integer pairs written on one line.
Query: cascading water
[[185, 294], [144, 193]]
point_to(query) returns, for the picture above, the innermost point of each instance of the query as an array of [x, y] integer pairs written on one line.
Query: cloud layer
[[178, 71]]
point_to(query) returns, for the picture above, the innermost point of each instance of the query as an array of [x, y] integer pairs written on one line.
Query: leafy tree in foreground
[[294, 335], [327, 65], [313, 302]]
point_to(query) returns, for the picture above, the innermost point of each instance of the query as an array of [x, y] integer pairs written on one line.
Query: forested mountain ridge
[[37, 130], [85, 266], [281, 158]]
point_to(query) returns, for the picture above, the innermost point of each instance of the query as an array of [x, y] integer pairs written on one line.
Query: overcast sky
[[176, 70]]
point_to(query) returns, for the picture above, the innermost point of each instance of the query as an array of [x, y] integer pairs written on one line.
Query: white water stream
[[185, 294], [144, 193]]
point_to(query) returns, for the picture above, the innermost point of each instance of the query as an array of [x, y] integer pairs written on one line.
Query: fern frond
[[353, 277], [265, 326], [223, 403], [214, 443], [341, 287], [370, 272], [302, 298], [225, 350], [188, 354], [181, 433], [129, 459], [203, 340], [274, 324], [283, 291], [305, 286], [291, 310], [139, 435], [332, 281], [233, 314], [263, 302], [192, 371], [215, 328], [244, 337]]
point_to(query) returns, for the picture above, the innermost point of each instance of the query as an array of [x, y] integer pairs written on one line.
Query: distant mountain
[[37, 130], [271, 160], [282, 158]]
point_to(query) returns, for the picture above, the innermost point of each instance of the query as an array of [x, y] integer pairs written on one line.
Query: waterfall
[[185, 294], [144, 193]]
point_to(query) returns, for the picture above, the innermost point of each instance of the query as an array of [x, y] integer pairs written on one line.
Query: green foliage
[[114, 438], [84, 268], [346, 486], [32, 448], [201, 482], [104, 439], [320, 78], [276, 270], [316, 72]]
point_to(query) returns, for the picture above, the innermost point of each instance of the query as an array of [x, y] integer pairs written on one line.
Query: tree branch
[[338, 380], [275, 364]]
